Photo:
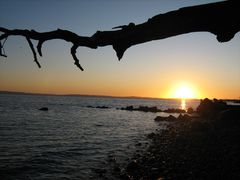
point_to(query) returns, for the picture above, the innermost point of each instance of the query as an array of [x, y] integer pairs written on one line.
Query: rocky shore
[[202, 146], [152, 109]]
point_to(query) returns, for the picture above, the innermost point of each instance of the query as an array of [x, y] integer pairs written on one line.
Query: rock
[[169, 118], [190, 110], [198, 126], [116, 169], [112, 159], [142, 109], [133, 167], [151, 135], [124, 176], [43, 109], [102, 107], [129, 108], [172, 110], [148, 109], [184, 117], [138, 144], [153, 109], [211, 108], [100, 171], [99, 107], [229, 118], [236, 101]]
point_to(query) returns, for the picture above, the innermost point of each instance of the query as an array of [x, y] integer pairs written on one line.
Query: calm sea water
[[71, 141]]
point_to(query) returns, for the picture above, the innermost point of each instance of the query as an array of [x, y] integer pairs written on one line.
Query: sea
[[73, 139]]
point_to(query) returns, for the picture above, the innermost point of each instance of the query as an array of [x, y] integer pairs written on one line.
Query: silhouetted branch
[[33, 51], [221, 19], [39, 47], [73, 52], [2, 53]]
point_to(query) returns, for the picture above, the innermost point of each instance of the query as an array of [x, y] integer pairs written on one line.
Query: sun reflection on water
[[183, 104]]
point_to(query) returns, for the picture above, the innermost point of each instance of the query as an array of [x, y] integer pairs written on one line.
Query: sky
[[154, 69]]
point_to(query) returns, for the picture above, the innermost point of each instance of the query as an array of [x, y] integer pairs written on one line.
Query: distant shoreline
[[104, 96], [88, 95]]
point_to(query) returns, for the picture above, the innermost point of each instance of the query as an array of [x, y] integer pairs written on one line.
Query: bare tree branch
[[33, 51], [39, 47], [221, 19], [2, 53], [73, 52]]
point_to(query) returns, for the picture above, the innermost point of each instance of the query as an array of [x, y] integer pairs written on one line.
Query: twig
[[33, 51]]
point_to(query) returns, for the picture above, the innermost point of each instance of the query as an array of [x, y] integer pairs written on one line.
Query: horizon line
[[89, 95]]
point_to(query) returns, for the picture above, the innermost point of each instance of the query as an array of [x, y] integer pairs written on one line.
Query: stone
[[133, 167], [172, 110], [169, 118], [43, 109], [229, 118], [184, 117], [190, 110]]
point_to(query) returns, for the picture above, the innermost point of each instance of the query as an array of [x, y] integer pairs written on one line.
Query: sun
[[184, 92]]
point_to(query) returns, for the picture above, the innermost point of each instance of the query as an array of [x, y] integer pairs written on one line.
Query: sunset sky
[[154, 69]]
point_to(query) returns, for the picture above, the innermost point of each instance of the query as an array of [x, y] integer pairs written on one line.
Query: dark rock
[[229, 118], [99, 107], [236, 101], [138, 144], [129, 108], [211, 108], [124, 176], [43, 109], [151, 135], [148, 109], [112, 159], [190, 110], [102, 107], [174, 110], [133, 167], [184, 117], [116, 169], [169, 118], [198, 126], [101, 171], [142, 109]]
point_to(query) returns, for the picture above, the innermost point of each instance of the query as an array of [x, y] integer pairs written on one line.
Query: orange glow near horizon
[[183, 91], [192, 65]]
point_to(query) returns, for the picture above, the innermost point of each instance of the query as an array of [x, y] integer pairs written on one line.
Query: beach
[[202, 147]]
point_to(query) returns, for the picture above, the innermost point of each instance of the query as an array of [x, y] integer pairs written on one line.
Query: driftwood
[[221, 19]]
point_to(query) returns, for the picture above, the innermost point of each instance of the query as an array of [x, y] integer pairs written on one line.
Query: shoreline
[[204, 147]]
